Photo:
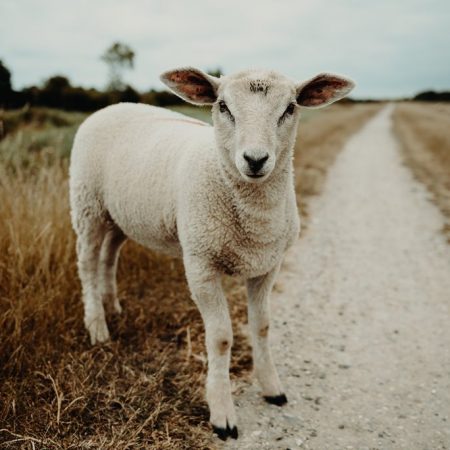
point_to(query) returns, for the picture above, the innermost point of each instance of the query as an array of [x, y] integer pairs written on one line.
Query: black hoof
[[233, 432], [278, 400], [223, 433]]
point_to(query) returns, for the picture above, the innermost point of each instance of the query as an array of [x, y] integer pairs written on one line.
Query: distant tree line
[[58, 92], [432, 96]]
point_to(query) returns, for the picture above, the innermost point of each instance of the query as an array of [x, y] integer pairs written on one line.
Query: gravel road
[[361, 323]]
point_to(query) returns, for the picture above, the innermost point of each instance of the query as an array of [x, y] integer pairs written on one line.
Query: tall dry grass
[[144, 389], [423, 129]]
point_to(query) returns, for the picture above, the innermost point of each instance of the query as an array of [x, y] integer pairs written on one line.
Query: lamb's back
[[131, 155]]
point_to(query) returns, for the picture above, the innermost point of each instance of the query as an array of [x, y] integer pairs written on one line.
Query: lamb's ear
[[323, 89], [192, 85]]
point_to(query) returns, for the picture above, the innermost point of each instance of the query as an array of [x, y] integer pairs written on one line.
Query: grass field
[[144, 389], [423, 129]]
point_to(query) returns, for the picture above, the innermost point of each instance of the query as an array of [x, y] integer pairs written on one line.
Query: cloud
[[390, 48]]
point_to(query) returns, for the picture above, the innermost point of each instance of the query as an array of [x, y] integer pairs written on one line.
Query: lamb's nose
[[255, 164]]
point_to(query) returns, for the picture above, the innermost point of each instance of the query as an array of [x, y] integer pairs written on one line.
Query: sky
[[391, 48]]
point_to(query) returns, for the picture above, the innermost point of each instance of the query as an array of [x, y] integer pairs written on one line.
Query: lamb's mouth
[[255, 177]]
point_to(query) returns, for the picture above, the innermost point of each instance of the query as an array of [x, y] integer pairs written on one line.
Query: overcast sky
[[391, 48]]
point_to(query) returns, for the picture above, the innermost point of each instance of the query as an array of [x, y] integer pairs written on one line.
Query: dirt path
[[362, 326]]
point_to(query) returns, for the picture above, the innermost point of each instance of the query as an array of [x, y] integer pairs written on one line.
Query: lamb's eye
[[223, 108], [290, 109], [288, 112]]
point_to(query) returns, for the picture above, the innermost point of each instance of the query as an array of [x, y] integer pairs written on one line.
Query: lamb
[[220, 197]]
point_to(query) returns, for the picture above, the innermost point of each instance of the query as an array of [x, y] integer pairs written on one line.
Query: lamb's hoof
[[117, 307], [111, 304], [223, 433], [98, 331], [278, 400]]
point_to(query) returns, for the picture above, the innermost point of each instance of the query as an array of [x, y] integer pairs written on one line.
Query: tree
[[54, 91], [432, 96], [57, 83], [215, 72], [5, 84], [118, 58]]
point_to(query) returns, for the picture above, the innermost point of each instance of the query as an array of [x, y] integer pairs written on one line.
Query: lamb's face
[[255, 113], [255, 118]]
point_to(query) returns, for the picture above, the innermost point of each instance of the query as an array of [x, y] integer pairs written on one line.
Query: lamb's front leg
[[259, 290], [207, 292]]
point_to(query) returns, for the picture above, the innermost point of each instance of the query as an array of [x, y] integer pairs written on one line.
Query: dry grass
[[38, 118], [423, 129], [145, 388]]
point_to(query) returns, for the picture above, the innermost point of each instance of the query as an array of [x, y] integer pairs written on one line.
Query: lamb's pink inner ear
[[193, 85], [321, 90]]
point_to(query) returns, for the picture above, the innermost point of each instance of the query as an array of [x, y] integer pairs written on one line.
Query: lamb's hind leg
[[107, 268], [259, 290], [91, 233]]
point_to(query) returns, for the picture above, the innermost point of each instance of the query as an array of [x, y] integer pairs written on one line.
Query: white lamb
[[221, 197]]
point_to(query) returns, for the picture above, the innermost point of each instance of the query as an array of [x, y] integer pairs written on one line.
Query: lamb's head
[[255, 113]]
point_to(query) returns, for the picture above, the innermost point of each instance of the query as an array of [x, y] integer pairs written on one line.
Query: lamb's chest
[[249, 252]]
